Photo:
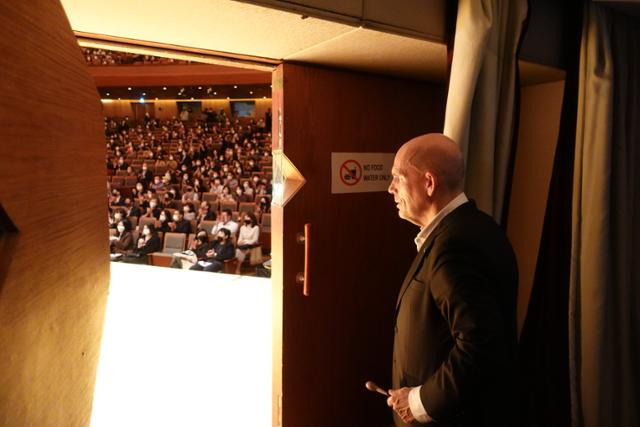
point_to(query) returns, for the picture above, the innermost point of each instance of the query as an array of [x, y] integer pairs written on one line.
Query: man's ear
[[430, 183]]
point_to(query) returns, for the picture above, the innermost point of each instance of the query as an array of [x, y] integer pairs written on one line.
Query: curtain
[[480, 112], [604, 287]]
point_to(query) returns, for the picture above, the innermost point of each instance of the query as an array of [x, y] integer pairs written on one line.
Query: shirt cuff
[[417, 409]]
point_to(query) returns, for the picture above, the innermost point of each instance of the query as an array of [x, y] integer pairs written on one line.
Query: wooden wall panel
[[52, 185]]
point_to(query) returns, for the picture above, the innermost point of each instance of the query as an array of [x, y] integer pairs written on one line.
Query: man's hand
[[399, 401]]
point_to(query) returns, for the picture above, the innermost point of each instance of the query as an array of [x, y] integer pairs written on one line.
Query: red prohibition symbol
[[350, 172]]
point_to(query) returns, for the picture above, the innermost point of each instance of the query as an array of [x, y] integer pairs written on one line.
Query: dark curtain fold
[[543, 347]]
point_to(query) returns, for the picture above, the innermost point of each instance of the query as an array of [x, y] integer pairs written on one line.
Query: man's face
[[224, 217], [408, 187], [222, 237]]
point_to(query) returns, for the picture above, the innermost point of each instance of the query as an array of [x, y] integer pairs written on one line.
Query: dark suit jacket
[[455, 329]]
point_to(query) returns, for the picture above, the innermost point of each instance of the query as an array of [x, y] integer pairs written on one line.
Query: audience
[[109, 57], [178, 171]]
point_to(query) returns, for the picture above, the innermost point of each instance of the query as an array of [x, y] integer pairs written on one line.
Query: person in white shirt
[[225, 222], [247, 239]]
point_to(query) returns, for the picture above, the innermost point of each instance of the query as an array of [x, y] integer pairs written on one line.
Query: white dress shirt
[[415, 403]]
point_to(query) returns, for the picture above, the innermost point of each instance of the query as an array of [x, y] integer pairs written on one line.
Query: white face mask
[[120, 228], [163, 218], [118, 216], [176, 218], [153, 205], [145, 231]]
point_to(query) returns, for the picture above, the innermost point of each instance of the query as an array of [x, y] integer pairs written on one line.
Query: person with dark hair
[[221, 250], [163, 221], [205, 213], [148, 243], [188, 212], [197, 251], [118, 215], [123, 241], [179, 224], [226, 222], [247, 238]]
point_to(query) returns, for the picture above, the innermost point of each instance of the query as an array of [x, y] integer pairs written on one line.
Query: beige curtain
[[604, 299], [480, 103]]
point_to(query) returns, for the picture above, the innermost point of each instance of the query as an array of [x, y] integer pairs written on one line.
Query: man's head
[[223, 235], [428, 172], [226, 215]]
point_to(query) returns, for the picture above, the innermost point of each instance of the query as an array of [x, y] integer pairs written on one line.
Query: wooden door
[[341, 335], [142, 108]]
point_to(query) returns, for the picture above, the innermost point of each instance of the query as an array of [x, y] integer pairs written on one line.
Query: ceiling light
[[129, 88], [250, 92], [192, 98], [164, 88], [235, 87], [156, 98], [264, 97], [228, 97], [144, 93], [108, 94], [215, 93], [199, 87]]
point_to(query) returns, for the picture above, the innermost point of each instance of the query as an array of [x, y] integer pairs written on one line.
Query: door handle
[[303, 277]]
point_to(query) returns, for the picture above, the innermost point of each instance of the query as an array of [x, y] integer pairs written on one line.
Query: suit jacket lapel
[[416, 263]]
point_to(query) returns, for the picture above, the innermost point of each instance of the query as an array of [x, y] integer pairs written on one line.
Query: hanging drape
[[482, 90], [604, 298]]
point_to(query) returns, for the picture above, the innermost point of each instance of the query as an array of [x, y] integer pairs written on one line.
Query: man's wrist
[[415, 404]]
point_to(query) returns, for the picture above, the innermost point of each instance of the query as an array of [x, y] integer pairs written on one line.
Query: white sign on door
[[360, 172]]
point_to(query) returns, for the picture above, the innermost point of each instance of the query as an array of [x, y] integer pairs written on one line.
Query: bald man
[[455, 326]]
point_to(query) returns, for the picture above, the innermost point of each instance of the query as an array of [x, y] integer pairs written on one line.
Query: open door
[[327, 344]]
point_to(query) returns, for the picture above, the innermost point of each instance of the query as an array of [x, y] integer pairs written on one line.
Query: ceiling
[[231, 27], [354, 35]]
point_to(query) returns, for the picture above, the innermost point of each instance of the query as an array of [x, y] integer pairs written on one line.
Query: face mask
[[186, 210], [153, 205], [118, 216], [163, 218], [120, 228], [145, 231], [139, 187], [176, 218]]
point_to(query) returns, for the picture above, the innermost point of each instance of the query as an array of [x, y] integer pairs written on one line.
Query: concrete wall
[[55, 271]]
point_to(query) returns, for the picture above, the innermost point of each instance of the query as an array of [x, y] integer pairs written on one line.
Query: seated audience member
[[163, 221], [188, 212], [145, 175], [123, 241], [169, 200], [118, 215], [179, 224], [153, 210], [117, 199], [226, 194], [205, 213], [216, 187], [225, 222], [135, 209], [197, 251], [247, 238], [148, 243], [221, 250], [189, 195], [157, 184], [264, 206]]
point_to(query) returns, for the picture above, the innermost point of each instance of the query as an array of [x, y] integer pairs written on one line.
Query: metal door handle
[[303, 278]]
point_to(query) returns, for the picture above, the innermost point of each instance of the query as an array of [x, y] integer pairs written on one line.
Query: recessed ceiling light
[[156, 98], [228, 97], [199, 87], [108, 94], [192, 97], [164, 88], [118, 99], [264, 97], [215, 93], [144, 93], [129, 88], [235, 87], [250, 92]]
